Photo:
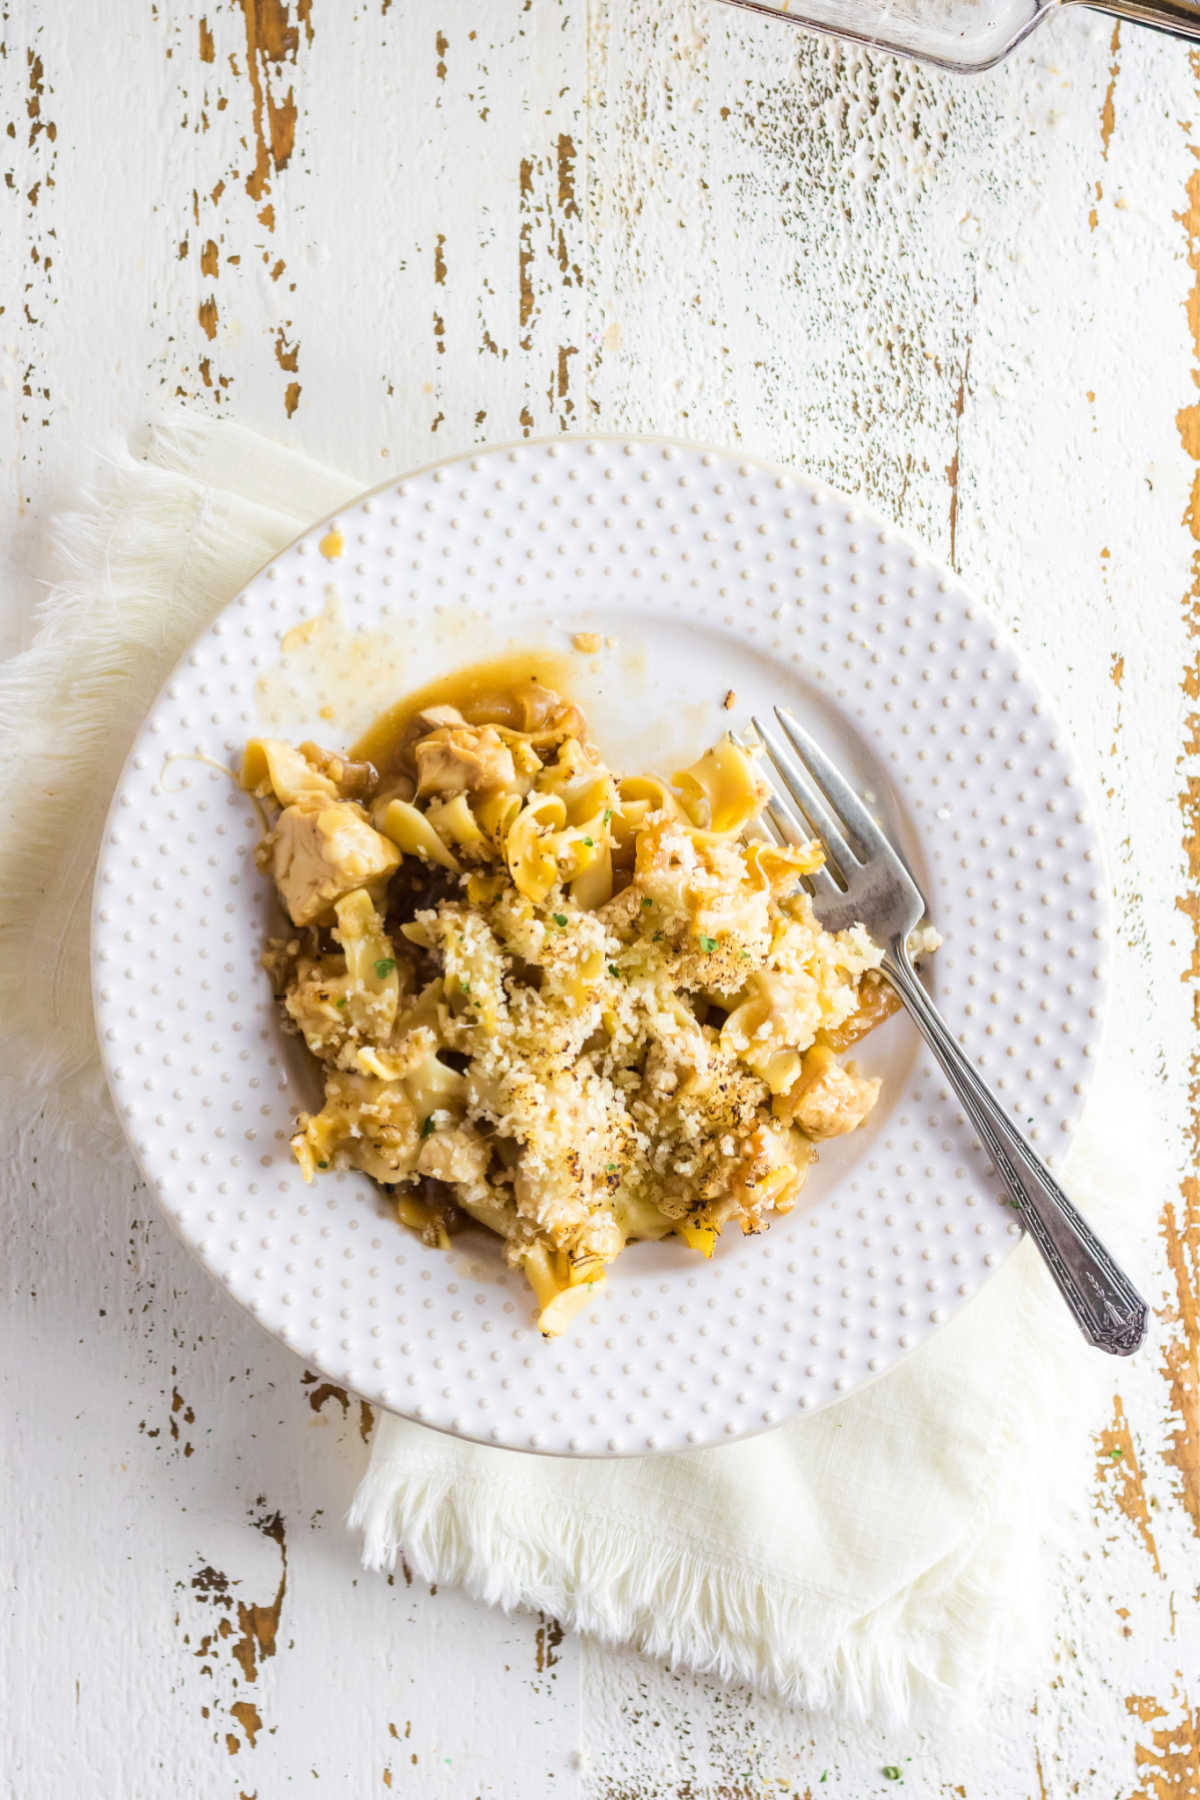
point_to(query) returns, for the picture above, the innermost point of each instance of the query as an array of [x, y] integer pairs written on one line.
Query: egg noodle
[[579, 1008]]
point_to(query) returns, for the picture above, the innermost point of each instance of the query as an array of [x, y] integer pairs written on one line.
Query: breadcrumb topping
[[578, 1008]]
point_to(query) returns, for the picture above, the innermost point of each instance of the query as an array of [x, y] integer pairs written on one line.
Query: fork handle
[[1106, 1306]]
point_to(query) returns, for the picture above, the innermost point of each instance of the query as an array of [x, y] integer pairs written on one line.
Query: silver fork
[[865, 881]]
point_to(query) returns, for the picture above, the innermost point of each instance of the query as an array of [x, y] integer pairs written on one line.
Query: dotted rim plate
[[731, 573]]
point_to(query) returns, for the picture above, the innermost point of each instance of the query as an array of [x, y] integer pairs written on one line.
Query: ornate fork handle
[[1107, 1307]]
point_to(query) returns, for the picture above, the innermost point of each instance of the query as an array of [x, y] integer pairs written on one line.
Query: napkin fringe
[[672, 1601]]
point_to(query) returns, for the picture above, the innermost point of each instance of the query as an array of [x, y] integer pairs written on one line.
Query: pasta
[[576, 1008]]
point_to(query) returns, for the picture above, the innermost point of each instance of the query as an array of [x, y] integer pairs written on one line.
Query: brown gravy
[[482, 692]]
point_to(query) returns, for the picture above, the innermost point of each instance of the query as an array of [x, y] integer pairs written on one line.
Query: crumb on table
[[730, 700], [587, 642]]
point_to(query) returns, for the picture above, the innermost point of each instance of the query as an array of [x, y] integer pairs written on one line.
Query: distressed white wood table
[[390, 229]]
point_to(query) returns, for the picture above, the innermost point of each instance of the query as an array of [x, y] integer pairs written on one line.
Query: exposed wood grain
[[1118, 1468], [1108, 120], [1169, 1763]]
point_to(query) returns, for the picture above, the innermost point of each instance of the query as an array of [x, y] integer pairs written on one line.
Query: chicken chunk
[[458, 759], [321, 849], [827, 1100], [430, 718], [455, 1154], [418, 726], [365, 1124]]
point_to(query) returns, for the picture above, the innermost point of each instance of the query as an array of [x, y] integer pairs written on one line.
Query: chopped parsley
[[560, 918], [1116, 1455], [608, 812], [891, 1772], [429, 1127], [322, 1165], [343, 1000], [590, 842], [613, 970], [384, 966], [708, 944], [646, 900], [745, 956], [610, 1168]]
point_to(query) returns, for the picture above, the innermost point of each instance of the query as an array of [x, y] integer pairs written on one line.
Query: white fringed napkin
[[879, 1557]]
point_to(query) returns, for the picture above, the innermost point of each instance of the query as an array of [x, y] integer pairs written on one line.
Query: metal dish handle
[[1180, 17]]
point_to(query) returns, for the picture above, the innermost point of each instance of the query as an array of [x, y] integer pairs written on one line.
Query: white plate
[[711, 573]]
